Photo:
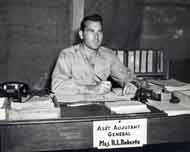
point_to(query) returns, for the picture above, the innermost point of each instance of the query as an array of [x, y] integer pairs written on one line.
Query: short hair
[[93, 17]]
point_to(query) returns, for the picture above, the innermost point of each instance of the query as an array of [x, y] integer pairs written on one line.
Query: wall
[[166, 26], [32, 34], [122, 21]]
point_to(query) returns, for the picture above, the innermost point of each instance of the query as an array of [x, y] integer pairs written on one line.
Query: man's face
[[92, 35]]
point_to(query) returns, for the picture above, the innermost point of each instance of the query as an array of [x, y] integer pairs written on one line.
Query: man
[[85, 67]]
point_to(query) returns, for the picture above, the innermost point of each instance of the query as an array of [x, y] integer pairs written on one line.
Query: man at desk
[[85, 67]]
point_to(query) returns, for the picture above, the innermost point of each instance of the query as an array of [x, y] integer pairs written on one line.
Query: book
[[125, 107], [150, 61], [143, 61], [137, 59], [131, 60]]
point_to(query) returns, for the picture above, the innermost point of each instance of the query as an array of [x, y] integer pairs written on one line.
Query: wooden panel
[[53, 136], [168, 129], [77, 134]]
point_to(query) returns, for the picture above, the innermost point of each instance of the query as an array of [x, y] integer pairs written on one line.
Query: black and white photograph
[[94, 76]]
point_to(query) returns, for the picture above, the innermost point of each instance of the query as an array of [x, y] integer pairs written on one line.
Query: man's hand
[[129, 89], [103, 87]]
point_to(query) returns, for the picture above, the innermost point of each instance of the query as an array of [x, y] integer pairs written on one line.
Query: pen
[[99, 78], [54, 99]]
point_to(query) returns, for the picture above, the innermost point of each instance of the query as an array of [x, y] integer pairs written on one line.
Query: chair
[[146, 63]]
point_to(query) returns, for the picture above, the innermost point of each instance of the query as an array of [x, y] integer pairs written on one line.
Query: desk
[[76, 131]]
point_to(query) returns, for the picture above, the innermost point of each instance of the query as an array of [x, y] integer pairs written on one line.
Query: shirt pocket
[[83, 74], [102, 69]]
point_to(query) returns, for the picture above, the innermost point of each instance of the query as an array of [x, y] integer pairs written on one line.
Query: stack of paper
[[178, 88], [168, 82], [184, 97], [172, 109], [125, 107], [3, 101], [34, 103], [171, 84], [36, 108]]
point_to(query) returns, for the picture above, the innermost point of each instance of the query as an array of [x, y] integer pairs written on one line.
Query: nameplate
[[119, 133]]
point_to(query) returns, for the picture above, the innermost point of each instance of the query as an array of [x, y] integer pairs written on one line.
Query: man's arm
[[62, 80], [120, 73], [124, 76]]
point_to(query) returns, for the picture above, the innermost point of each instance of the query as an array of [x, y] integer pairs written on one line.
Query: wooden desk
[[75, 130]]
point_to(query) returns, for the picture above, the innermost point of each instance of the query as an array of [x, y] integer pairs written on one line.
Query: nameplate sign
[[119, 133]]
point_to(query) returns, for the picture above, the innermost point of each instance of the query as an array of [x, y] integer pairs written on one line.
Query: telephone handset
[[14, 89]]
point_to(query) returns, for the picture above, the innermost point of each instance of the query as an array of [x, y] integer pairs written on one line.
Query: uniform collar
[[86, 53]]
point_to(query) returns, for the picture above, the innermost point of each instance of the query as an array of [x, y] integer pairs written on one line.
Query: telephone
[[142, 94], [14, 89]]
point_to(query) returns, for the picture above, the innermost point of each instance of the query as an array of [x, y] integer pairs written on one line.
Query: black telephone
[[14, 89], [142, 94]]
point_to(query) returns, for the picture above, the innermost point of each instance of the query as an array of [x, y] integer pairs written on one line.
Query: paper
[[119, 133], [184, 97], [172, 109], [2, 101], [183, 107], [124, 107], [178, 88], [2, 114], [171, 84], [82, 98], [186, 92], [35, 108], [34, 103], [32, 114]]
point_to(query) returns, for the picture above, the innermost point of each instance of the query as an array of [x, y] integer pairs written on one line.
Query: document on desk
[[35, 108], [184, 97], [125, 107], [3, 101], [84, 99], [178, 88], [172, 109], [34, 103], [171, 84]]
